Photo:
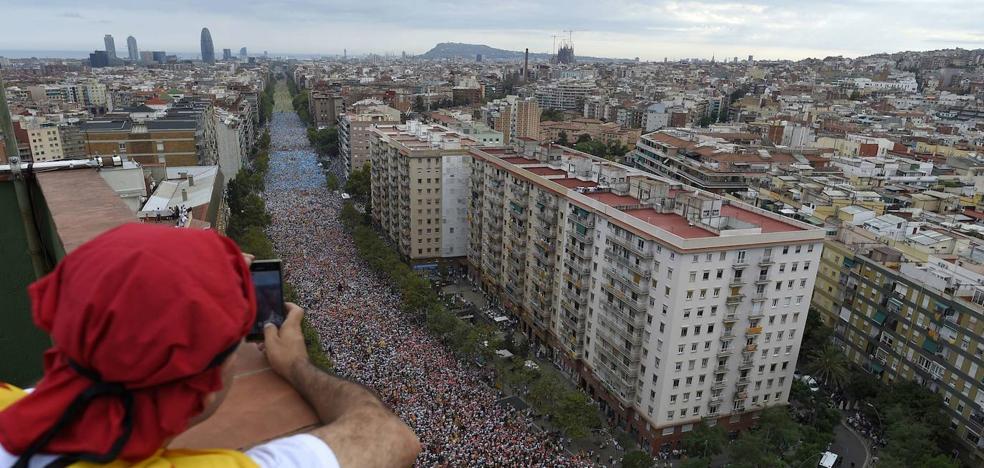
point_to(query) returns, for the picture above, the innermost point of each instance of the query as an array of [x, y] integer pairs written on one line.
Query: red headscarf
[[147, 308]]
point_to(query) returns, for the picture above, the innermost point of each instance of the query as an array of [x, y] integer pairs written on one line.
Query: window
[[693, 276], [680, 347], [676, 383], [785, 249], [683, 331], [690, 294], [795, 266], [695, 259], [806, 266], [678, 366], [720, 273], [809, 248], [799, 248]]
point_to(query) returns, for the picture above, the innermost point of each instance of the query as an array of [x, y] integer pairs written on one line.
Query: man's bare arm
[[358, 427]]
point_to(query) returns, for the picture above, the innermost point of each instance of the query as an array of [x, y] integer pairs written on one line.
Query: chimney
[[526, 65], [191, 180], [184, 194]]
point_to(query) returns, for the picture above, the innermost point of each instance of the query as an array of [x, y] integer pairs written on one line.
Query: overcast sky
[[648, 29]]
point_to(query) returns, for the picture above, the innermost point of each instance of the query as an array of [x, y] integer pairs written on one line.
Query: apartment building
[[354, 128], [670, 305], [712, 163], [45, 140], [607, 132], [902, 318], [185, 136], [152, 142], [514, 117], [324, 108], [420, 189], [564, 94]]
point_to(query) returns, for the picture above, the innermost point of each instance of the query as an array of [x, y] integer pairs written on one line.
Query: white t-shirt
[[297, 451]]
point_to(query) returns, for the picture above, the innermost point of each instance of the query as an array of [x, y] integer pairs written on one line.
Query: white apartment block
[[671, 306], [420, 188], [564, 94]]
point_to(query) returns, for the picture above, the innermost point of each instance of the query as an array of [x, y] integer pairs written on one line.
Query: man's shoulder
[[301, 450]]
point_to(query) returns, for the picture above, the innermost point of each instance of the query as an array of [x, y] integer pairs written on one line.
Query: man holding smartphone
[[145, 321]]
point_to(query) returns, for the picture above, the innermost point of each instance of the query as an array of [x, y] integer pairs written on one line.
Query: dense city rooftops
[[687, 214]]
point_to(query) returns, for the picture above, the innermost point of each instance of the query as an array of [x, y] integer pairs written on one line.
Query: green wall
[[21, 343]]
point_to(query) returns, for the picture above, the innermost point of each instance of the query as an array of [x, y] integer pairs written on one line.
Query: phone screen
[[269, 297]]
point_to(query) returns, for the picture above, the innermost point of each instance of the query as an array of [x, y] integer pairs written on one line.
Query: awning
[[930, 345], [879, 317]]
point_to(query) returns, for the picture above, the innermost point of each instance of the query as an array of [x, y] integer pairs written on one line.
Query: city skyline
[[768, 29]]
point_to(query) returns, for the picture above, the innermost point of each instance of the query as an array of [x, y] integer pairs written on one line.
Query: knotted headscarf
[[141, 319]]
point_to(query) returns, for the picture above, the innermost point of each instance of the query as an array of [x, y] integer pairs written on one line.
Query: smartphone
[[269, 287]]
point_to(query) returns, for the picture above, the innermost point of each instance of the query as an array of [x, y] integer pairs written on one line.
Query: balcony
[[743, 380], [630, 246], [624, 315], [762, 279], [580, 253], [729, 318], [736, 283], [758, 297], [640, 270], [741, 395], [740, 262], [545, 230], [751, 348], [724, 352], [586, 238], [753, 331], [585, 221], [718, 385], [542, 257], [766, 261], [734, 299], [580, 266], [727, 335], [745, 364], [642, 290], [755, 315], [574, 297]]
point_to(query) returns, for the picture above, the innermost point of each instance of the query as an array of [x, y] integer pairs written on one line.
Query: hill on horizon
[[447, 50]]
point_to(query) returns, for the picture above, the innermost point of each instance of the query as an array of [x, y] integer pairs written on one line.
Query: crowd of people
[[459, 418]]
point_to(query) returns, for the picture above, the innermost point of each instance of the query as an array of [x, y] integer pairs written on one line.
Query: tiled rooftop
[[546, 171], [575, 183]]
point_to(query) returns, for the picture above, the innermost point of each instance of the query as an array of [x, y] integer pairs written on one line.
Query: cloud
[[620, 28]]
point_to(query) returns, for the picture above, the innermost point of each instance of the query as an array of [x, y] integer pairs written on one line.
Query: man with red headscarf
[[144, 322]]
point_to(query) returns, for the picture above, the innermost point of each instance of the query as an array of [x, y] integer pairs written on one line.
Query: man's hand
[[360, 430], [285, 346]]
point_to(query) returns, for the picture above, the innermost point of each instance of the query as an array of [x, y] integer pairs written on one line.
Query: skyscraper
[[242, 53], [226, 54], [131, 46], [110, 46], [208, 50]]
